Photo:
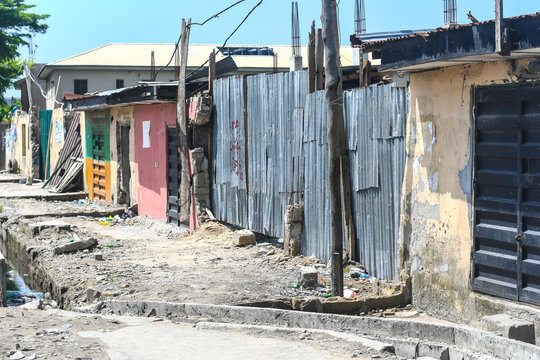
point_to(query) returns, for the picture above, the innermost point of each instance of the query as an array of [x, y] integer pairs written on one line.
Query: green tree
[[16, 27]]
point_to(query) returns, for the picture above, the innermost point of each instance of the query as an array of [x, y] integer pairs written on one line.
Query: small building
[[470, 209], [128, 136]]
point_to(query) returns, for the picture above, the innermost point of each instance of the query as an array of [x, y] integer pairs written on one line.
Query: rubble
[[75, 246], [243, 237]]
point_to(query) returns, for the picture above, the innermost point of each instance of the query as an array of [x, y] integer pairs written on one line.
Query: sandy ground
[[34, 334], [151, 260]]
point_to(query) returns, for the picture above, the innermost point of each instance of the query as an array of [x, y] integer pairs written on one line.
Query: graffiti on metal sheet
[[235, 150]]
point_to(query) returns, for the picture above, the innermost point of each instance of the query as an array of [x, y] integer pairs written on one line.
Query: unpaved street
[[149, 260]]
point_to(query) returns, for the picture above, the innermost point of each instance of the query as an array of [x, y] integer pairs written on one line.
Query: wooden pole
[[499, 26], [181, 124], [337, 151], [211, 78], [319, 61], [177, 64], [361, 68], [311, 59], [212, 71], [152, 67]]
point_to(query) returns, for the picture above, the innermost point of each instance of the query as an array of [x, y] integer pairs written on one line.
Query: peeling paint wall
[[123, 115], [57, 136], [20, 148], [436, 221]]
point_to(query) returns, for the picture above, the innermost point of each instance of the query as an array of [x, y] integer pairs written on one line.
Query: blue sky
[[76, 26]]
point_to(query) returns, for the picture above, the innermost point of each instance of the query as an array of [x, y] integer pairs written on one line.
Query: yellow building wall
[[57, 139], [20, 150], [436, 222]]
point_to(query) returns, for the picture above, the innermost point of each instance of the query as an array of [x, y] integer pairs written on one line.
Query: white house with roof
[[119, 65]]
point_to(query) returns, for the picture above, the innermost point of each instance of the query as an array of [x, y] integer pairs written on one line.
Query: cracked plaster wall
[[436, 221]]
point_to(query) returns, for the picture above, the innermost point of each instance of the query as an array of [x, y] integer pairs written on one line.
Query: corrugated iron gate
[[173, 177], [506, 253], [268, 127]]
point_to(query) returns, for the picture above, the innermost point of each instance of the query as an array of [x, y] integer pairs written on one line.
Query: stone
[[98, 256], [309, 277], [200, 181], [243, 237], [92, 294], [33, 305], [298, 213], [75, 246], [509, 327]]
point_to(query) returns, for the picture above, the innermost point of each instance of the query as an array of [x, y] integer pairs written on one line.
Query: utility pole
[[152, 66], [181, 124], [499, 26], [337, 151], [311, 59]]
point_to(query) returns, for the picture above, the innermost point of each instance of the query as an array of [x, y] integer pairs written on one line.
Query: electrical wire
[[219, 13], [230, 36], [199, 24], [33, 79]]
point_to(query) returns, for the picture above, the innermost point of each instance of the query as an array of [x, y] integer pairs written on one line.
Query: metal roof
[[459, 44], [140, 94], [137, 56]]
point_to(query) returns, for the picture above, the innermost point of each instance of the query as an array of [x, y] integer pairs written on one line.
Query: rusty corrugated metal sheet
[[286, 129], [375, 119], [275, 119], [229, 163]]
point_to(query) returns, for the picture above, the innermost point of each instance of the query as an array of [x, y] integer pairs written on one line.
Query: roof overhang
[[144, 94], [462, 44]]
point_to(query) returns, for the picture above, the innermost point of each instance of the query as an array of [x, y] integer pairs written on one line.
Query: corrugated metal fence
[[287, 161]]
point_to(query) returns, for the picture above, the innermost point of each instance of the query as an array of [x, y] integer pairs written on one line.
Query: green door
[[45, 117]]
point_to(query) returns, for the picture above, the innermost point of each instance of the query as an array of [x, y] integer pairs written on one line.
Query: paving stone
[[309, 277]]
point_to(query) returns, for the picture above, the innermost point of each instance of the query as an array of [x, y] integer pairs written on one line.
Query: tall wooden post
[[181, 124], [337, 150], [499, 26], [311, 59], [212, 71], [152, 66], [319, 61]]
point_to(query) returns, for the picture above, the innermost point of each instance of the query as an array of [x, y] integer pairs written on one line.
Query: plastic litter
[[293, 285], [349, 294], [356, 274]]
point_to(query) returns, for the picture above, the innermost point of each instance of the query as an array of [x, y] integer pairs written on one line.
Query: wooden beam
[[181, 124], [152, 67], [212, 71], [499, 26], [319, 61], [311, 59], [337, 150]]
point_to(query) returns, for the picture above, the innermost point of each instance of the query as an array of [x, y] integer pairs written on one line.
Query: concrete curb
[[362, 341], [49, 197], [456, 336]]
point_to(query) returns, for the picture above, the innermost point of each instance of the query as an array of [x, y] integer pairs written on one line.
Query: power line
[[199, 24], [228, 38], [219, 13]]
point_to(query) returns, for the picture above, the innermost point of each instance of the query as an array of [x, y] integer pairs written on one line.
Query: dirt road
[[150, 260]]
